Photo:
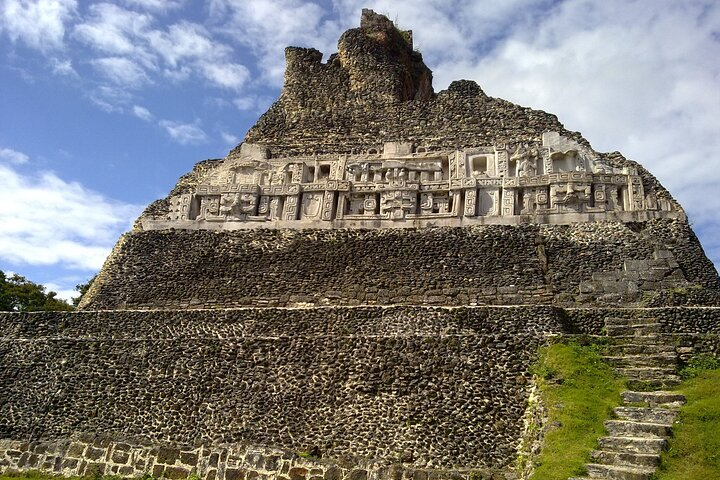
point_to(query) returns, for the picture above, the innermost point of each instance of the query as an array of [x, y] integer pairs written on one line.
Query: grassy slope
[[694, 452], [579, 391]]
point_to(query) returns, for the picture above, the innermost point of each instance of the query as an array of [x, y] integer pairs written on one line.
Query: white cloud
[[134, 51], [230, 138], [63, 68], [268, 26], [116, 31], [635, 78], [231, 75], [156, 5], [111, 99], [184, 133], [39, 24], [12, 156], [252, 103], [48, 221], [61, 290], [121, 71], [142, 113], [186, 41]]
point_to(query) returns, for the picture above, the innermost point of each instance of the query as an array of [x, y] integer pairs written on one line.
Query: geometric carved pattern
[[421, 185]]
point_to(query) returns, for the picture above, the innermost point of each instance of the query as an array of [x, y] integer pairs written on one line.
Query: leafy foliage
[[18, 294], [82, 290], [698, 364]]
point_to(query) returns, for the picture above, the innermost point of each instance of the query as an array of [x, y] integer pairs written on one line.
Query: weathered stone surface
[[450, 266], [211, 345]]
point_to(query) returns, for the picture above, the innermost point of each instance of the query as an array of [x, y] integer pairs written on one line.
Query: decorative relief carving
[[396, 204], [557, 177]]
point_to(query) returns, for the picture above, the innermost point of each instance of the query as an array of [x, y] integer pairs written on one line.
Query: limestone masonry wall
[[331, 392], [442, 387], [525, 264]]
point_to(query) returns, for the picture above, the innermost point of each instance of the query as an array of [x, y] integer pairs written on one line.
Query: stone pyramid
[[356, 291]]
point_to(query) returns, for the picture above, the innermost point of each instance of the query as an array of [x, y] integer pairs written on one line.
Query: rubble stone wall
[[332, 392], [433, 387], [526, 264], [672, 320]]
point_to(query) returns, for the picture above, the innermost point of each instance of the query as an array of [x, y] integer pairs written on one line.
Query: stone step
[[618, 472], [605, 457], [654, 398], [655, 384], [649, 373], [630, 428], [629, 321], [639, 349], [633, 330], [633, 444], [650, 339], [644, 360], [662, 416]]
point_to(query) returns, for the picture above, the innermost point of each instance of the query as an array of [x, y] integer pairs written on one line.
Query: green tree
[[82, 290], [18, 294]]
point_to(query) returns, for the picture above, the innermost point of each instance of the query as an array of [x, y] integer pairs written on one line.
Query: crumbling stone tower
[[356, 291]]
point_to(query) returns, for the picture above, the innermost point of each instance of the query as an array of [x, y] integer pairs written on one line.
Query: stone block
[[167, 455], [333, 473], [158, 471], [120, 457], [126, 471], [235, 474], [92, 453], [176, 473], [298, 473], [189, 458], [358, 474], [95, 469], [70, 463], [76, 450], [272, 463]]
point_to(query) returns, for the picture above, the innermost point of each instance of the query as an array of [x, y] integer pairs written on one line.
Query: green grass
[[694, 452], [579, 391]]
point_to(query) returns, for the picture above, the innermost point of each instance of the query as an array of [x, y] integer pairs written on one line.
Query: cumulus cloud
[[12, 156], [230, 138], [39, 24], [156, 5], [253, 103], [229, 75], [268, 26], [133, 50], [111, 99], [633, 77], [60, 287], [48, 221], [121, 71], [142, 113], [63, 68], [112, 29], [184, 133]]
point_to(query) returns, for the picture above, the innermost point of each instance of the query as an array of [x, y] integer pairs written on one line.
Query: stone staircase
[[631, 450]]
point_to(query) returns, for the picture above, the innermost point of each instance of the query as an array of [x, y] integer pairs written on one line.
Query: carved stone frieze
[[398, 184]]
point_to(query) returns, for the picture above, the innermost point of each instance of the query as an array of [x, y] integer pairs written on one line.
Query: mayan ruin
[[358, 291]]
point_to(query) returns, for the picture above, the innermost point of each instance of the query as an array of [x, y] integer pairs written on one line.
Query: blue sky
[[104, 105]]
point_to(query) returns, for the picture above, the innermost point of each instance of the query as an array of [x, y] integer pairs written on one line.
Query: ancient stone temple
[[356, 291]]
